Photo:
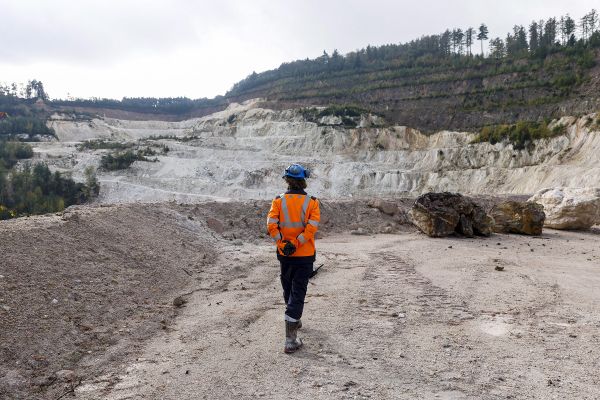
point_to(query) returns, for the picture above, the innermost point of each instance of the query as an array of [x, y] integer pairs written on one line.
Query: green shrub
[[102, 144], [586, 60], [92, 186], [118, 161], [565, 80], [559, 129], [342, 111], [11, 152], [520, 135], [123, 160], [167, 137]]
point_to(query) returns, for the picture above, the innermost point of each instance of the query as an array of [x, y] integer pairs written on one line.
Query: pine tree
[[584, 26], [534, 40], [520, 38], [593, 21], [569, 30], [497, 48], [469, 39], [445, 42], [482, 35], [457, 40], [549, 37]]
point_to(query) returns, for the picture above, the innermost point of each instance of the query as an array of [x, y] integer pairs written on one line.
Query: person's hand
[[286, 247]]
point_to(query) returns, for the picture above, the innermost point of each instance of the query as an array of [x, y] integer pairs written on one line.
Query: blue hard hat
[[296, 171]]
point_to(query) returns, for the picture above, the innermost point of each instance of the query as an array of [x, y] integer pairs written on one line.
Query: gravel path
[[389, 316]]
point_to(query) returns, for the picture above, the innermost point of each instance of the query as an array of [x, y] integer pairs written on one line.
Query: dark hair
[[295, 184]]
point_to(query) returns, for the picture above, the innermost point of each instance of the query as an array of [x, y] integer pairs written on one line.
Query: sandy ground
[[389, 316]]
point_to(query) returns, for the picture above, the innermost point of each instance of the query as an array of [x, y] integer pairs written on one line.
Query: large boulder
[[526, 218], [442, 214], [570, 208]]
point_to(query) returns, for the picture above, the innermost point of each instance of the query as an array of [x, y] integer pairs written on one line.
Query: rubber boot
[[299, 324], [292, 342]]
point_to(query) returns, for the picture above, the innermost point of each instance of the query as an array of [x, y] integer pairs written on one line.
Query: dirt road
[[390, 316]]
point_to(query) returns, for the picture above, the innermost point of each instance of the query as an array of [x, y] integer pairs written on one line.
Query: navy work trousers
[[294, 280]]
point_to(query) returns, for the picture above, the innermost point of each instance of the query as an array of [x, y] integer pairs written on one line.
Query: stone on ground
[[521, 217], [442, 214], [570, 208], [386, 207]]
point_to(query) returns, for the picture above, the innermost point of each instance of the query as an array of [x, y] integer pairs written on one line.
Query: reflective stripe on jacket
[[295, 215]]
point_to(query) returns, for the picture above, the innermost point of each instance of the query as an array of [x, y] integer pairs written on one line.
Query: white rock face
[[240, 153], [570, 208]]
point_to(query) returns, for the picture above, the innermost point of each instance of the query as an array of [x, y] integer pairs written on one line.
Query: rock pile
[[442, 214], [386, 207], [526, 218], [394, 208], [570, 208]]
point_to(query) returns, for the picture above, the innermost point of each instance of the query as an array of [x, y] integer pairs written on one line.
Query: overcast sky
[[194, 48]]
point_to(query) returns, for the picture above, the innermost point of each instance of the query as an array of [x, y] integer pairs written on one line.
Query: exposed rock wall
[[240, 153]]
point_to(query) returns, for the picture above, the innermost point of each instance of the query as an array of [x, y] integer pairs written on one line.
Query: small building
[[3, 115]]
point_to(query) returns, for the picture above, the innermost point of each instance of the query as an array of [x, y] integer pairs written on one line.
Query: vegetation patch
[[11, 152], [343, 111], [118, 161], [35, 189], [593, 123], [185, 138], [123, 160], [349, 114], [149, 105], [102, 144], [24, 125], [520, 135]]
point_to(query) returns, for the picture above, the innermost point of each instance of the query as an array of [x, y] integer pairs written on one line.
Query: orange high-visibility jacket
[[295, 215]]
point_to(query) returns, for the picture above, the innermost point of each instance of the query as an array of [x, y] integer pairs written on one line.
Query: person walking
[[292, 223]]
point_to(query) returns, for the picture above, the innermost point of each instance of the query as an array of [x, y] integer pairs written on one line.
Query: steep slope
[[455, 95]]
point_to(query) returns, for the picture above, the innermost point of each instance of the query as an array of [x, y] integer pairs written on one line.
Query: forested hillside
[[446, 81], [22, 110]]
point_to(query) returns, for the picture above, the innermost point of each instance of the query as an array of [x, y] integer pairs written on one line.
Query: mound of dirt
[[93, 279], [247, 220]]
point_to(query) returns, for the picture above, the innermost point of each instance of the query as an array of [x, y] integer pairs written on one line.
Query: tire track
[[417, 294]]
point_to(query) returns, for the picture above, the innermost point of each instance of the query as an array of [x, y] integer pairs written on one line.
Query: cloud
[[115, 48], [100, 32]]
